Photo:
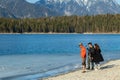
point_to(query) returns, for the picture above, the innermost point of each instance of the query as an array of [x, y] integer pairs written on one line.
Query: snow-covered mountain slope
[[44, 8], [82, 7]]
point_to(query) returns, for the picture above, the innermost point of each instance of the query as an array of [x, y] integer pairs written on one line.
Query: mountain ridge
[[45, 8], [83, 7], [24, 9]]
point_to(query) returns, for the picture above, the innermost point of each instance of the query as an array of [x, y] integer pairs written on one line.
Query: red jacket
[[83, 52]]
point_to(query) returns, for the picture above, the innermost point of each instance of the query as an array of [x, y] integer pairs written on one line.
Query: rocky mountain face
[[5, 13], [103, 7], [23, 9], [65, 7], [44, 8], [82, 7]]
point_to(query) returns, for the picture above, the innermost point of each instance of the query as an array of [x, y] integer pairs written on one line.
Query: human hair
[[89, 43], [80, 44], [97, 46]]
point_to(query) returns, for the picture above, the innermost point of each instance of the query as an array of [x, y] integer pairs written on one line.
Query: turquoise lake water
[[51, 52], [55, 44]]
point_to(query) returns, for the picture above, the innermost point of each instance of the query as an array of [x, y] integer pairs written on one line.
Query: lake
[[32, 56]]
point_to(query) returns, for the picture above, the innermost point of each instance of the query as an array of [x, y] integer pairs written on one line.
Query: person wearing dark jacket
[[90, 56], [97, 57]]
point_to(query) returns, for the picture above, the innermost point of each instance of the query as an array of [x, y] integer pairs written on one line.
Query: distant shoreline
[[59, 33], [40, 33], [101, 33]]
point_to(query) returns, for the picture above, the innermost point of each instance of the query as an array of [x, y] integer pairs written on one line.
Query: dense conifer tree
[[65, 24]]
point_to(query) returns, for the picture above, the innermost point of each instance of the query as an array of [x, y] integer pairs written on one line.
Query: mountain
[[5, 13], [23, 9], [44, 8], [82, 7], [65, 7], [103, 7]]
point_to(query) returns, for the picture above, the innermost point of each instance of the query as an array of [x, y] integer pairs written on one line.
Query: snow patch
[[79, 2], [67, 13], [46, 14]]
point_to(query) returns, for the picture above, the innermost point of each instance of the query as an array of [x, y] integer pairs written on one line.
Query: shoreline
[[59, 33], [39, 33], [108, 68], [50, 73]]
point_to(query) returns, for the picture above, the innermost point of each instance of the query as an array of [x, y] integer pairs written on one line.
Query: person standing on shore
[[90, 65], [83, 57], [97, 56]]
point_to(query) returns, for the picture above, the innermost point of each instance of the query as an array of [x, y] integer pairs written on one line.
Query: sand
[[108, 71]]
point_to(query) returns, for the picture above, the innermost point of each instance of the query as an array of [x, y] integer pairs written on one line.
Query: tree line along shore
[[107, 23]]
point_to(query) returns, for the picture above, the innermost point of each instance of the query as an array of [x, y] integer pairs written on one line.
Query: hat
[[80, 44]]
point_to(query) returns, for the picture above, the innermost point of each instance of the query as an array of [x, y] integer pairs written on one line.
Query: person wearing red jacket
[[83, 57]]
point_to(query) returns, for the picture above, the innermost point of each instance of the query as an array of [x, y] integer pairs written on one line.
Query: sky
[[118, 1], [33, 1]]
